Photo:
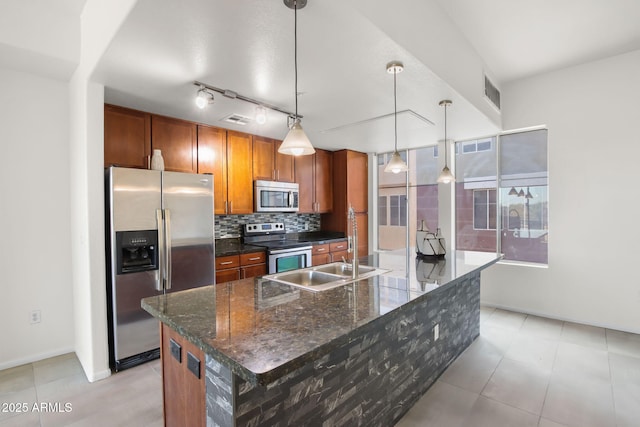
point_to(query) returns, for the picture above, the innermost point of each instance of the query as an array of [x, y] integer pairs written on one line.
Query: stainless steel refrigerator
[[159, 240]]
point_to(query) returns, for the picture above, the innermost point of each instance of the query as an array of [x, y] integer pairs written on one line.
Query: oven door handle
[[290, 250]]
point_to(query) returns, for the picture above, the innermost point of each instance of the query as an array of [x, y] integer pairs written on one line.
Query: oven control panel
[[264, 228]]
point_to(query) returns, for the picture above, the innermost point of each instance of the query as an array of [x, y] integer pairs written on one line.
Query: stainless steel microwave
[[273, 196]]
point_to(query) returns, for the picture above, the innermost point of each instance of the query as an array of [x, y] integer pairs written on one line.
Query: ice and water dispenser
[[136, 251]]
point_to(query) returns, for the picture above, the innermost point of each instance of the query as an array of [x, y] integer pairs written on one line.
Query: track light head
[[204, 97]]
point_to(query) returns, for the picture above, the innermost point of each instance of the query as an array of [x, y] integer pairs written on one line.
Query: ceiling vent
[[491, 92], [237, 119]]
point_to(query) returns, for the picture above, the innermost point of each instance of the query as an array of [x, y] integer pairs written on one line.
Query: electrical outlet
[[35, 317], [436, 332]]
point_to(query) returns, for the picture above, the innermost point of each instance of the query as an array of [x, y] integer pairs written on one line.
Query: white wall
[[592, 112], [40, 36], [35, 245], [99, 23]]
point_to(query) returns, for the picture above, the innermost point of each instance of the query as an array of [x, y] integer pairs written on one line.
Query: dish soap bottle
[[157, 162]]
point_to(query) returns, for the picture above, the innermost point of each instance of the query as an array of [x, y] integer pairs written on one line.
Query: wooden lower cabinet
[[320, 259], [329, 252], [236, 267], [183, 385]]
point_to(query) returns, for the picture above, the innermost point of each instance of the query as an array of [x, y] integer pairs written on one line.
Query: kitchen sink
[[343, 269], [324, 277]]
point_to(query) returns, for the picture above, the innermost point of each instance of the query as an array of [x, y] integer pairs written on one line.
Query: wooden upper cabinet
[[305, 179], [350, 187], [127, 137], [314, 174], [239, 173], [264, 165], [268, 164], [177, 140], [357, 177], [284, 165], [212, 158], [324, 181]]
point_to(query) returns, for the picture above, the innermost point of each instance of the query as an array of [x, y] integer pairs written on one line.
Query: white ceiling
[[247, 46], [521, 38]]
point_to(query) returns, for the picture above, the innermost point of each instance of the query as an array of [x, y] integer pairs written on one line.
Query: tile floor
[[531, 371], [130, 398], [521, 371]]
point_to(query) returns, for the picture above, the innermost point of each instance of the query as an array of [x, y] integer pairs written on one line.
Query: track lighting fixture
[[204, 97], [261, 115], [205, 92]]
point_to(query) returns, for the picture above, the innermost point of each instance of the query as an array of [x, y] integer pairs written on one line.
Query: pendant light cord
[[395, 111], [446, 163], [295, 50]]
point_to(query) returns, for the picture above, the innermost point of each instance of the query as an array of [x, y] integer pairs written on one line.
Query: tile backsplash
[[231, 225]]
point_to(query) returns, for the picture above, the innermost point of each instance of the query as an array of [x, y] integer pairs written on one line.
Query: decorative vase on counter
[[157, 162]]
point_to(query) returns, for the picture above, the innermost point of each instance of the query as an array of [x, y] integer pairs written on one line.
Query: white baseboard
[[35, 358], [97, 376], [561, 318]]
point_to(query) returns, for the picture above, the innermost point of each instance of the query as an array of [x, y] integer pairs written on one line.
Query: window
[[405, 200], [484, 145], [381, 159], [398, 210], [524, 200], [484, 209], [476, 196], [382, 210], [518, 205], [469, 147]]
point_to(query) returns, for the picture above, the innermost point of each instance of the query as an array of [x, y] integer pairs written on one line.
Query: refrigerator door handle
[[161, 250], [167, 222]]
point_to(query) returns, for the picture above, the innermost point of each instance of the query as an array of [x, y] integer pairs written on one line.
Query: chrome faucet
[[353, 244]]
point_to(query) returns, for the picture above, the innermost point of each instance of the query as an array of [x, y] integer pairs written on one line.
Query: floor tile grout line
[[553, 365]]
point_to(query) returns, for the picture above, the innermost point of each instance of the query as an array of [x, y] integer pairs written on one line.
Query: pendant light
[[513, 191], [445, 176], [396, 164], [296, 143]]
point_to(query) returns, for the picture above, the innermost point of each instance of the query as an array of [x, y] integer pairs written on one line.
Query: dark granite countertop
[[233, 246], [317, 237], [263, 329]]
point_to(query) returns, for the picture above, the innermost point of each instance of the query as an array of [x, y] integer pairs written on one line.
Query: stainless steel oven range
[[283, 254]]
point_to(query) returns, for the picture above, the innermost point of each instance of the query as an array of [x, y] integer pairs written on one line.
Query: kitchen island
[[359, 354]]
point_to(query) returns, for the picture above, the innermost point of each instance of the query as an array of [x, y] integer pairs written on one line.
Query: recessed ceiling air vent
[[237, 119], [491, 92]]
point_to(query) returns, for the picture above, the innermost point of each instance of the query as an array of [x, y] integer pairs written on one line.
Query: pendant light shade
[[513, 191], [296, 143], [528, 195], [445, 176], [396, 164]]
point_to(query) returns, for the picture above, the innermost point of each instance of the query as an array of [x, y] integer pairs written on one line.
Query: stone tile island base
[[372, 380]]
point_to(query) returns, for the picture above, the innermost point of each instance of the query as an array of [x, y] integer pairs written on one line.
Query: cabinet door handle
[[231, 206], [321, 249], [278, 174], [226, 263], [339, 246], [254, 259]]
